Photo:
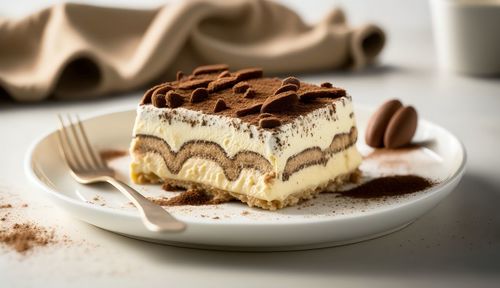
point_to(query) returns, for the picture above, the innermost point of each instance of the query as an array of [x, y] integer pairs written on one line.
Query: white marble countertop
[[457, 244]]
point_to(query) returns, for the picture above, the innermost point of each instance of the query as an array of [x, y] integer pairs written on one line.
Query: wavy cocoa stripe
[[232, 166], [174, 161], [316, 156]]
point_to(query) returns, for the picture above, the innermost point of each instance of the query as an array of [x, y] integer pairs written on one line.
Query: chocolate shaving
[[195, 83], [286, 87], [269, 122], [162, 90], [249, 73], [250, 93], [159, 101], [241, 87], [220, 105], [291, 80], [224, 74], [198, 95], [322, 93], [282, 102], [326, 85], [174, 99], [254, 109], [179, 75], [207, 69], [146, 99], [221, 84]]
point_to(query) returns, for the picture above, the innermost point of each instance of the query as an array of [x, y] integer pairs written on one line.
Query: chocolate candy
[[378, 122], [401, 128], [391, 126]]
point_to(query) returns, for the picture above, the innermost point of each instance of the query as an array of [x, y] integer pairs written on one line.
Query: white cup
[[467, 35]]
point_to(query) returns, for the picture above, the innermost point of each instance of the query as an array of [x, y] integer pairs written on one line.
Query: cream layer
[[250, 181]]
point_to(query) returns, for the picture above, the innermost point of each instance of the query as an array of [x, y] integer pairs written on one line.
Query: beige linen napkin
[[81, 51]]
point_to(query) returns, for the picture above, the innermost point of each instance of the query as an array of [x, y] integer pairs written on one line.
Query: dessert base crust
[[223, 195]]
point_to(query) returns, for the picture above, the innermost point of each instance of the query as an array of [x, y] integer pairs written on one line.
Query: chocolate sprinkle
[[249, 73], [291, 80], [269, 122], [286, 87], [222, 83], [220, 105], [326, 85], [241, 87], [195, 83], [250, 110], [174, 99], [250, 93], [198, 95], [280, 103], [224, 74], [159, 101], [322, 93], [162, 90]]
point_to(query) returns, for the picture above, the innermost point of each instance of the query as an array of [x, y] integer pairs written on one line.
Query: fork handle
[[153, 216]]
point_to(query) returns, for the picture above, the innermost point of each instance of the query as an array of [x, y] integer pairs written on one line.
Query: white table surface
[[457, 244]]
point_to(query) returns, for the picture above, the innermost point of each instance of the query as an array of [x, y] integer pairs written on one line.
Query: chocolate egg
[[377, 125], [401, 128]]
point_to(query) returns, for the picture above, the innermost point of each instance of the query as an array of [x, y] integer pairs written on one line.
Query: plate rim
[[34, 178]]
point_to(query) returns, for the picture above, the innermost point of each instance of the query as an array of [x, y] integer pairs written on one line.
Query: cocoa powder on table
[[25, 236], [388, 186]]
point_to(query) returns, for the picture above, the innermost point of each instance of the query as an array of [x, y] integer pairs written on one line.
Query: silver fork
[[87, 167]]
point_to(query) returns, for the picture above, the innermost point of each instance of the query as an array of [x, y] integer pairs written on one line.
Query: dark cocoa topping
[[146, 99], [286, 87], [249, 110], [159, 101], [322, 93], [224, 74], [249, 73], [174, 99], [250, 93], [208, 69], [291, 80], [162, 90], [241, 87], [269, 122], [222, 83], [179, 75], [219, 105], [198, 95], [282, 102], [326, 85], [195, 83]]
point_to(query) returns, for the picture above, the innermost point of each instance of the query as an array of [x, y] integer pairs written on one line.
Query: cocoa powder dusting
[[395, 185], [189, 197], [108, 155], [25, 236]]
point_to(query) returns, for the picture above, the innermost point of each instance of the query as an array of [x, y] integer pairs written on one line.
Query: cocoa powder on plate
[[395, 185]]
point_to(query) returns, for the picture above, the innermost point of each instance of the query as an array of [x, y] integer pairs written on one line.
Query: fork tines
[[75, 147]]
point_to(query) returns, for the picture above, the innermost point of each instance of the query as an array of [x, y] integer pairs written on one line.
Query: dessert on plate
[[265, 141]]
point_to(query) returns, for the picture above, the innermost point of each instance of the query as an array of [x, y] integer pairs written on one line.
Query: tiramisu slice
[[265, 141]]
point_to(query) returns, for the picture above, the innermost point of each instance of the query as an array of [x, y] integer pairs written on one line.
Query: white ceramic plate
[[328, 220]]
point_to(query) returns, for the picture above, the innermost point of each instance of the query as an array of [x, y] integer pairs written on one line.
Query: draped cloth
[[81, 51]]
